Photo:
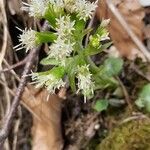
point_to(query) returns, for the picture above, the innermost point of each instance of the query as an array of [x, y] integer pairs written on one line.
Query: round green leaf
[[101, 105], [113, 66], [144, 98]]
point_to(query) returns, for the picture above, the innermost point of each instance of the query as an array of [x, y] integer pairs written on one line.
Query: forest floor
[[79, 125]]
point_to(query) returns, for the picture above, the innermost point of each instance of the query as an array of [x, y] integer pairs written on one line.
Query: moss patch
[[134, 135]]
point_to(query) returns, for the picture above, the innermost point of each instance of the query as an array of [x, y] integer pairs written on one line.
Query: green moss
[[134, 135]]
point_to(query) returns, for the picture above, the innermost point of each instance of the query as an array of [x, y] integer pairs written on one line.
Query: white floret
[[27, 39]]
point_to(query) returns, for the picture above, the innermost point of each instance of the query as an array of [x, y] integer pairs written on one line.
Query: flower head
[[36, 8], [62, 46], [64, 26], [61, 49], [84, 9], [56, 7], [69, 5], [57, 3], [85, 83], [49, 81], [27, 39]]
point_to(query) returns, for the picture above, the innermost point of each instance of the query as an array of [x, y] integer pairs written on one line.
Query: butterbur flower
[[69, 5], [85, 83], [49, 81], [27, 39], [84, 9], [60, 49], [64, 26], [36, 8], [57, 3]]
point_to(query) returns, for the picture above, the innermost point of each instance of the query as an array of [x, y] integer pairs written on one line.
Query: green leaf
[[58, 71], [101, 31], [71, 78], [103, 82], [79, 25], [71, 69], [103, 79], [44, 37], [101, 105], [49, 61], [86, 31], [113, 66], [90, 50], [51, 14], [143, 100]]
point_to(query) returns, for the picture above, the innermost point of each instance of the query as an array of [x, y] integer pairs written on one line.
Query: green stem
[[88, 60], [94, 68]]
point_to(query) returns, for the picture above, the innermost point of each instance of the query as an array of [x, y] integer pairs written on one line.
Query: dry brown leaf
[[46, 130], [133, 13]]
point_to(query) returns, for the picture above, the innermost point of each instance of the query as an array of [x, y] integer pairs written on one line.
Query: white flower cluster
[[49, 81], [57, 3], [64, 26], [60, 50], [83, 8], [27, 39], [62, 46], [85, 83], [36, 8]]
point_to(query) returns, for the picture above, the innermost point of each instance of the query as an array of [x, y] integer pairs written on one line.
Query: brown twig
[[139, 72], [125, 25], [8, 119], [20, 63], [126, 95], [5, 32], [12, 71], [16, 129], [12, 93], [135, 117]]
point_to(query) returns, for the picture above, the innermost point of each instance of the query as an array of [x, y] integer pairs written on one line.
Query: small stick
[[20, 63], [127, 98], [22, 102], [139, 72], [12, 71], [8, 119], [16, 129], [137, 117]]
